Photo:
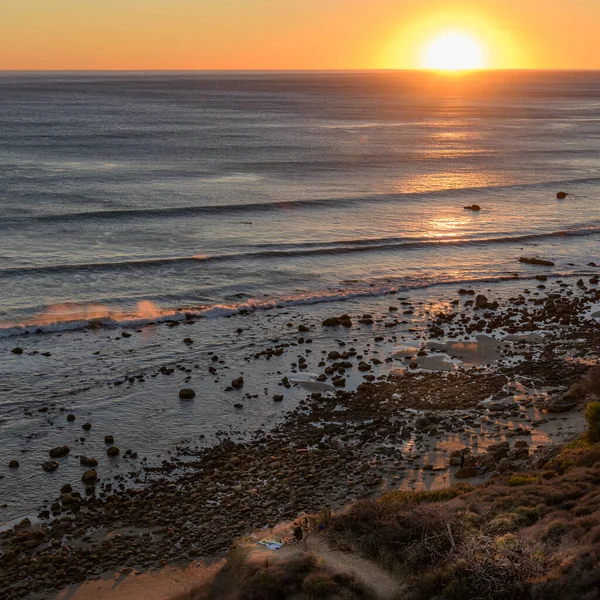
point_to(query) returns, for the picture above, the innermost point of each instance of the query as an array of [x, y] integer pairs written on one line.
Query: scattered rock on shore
[[186, 394], [59, 451]]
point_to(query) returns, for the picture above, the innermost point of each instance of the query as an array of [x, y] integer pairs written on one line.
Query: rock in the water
[[474, 207], [86, 426], [88, 461], [188, 341], [50, 465], [331, 322], [278, 397], [339, 381], [536, 261], [90, 476], [109, 439], [187, 394], [466, 472], [13, 464], [561, 195], [59, 451], [237, 383], [113, 451], [17, 350], [303, 328], [70, 418]]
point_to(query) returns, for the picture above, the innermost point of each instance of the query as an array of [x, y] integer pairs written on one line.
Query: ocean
[[133, 198]]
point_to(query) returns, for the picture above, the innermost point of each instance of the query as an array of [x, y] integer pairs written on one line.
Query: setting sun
[[454, 51]]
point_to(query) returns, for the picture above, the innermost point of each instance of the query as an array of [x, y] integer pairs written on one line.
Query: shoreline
[[397, 431]]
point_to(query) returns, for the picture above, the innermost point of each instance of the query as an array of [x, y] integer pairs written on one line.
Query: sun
[[454, 51]]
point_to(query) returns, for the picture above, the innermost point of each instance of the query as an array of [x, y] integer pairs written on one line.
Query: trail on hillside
[[376, 579]]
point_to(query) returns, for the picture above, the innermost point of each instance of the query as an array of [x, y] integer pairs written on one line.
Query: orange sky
[[290, 34]]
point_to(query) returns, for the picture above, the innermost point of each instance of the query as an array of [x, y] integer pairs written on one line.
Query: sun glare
[[454, 51]]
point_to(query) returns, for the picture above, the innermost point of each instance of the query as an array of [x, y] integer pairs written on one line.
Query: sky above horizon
[[294, 34]]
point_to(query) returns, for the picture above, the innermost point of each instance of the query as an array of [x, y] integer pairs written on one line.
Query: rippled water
[[204, 190]]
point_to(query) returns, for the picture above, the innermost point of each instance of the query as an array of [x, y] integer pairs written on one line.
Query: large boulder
[[504, 464], [465, 473]]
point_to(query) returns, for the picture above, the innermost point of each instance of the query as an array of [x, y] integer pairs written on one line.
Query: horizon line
[[375, 70]]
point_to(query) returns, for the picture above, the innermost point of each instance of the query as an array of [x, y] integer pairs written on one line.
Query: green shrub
[[521, 479], [412, 498], [592, 416]]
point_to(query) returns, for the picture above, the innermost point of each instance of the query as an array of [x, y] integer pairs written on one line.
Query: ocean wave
[[309, 249], [148, 313], [274, 206]]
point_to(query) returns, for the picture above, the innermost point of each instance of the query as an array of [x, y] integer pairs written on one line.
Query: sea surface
[[131, 198]]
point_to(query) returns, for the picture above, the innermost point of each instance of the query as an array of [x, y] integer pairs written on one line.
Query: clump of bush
[[485, 567], [300, 577], [522, 479], [414, 498], [592, 416], [398, 538]]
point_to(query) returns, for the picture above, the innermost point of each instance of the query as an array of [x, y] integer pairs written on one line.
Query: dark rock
[[465, 472], [536, 261], [88, 461], [237, 383], [561, 195], [187, 394], [17, 350], [331, 322], [278, 397], [109, 439], [70, 418], [87, 426], [474, 207], [113, 451], [59, 451], [90, 476], [50, 465], [13, 464]]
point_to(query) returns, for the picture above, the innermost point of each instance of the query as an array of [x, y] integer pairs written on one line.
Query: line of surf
[[212, 311]]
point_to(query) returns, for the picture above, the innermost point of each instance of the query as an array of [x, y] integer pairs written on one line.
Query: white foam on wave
[[148, 313]]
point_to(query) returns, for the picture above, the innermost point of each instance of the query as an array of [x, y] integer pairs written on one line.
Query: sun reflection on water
[[448, 180]]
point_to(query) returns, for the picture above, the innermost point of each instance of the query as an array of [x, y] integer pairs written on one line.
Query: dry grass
[[518, 537], [300, 578]]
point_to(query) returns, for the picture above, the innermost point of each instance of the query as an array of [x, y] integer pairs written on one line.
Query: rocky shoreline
[[501, 402]]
